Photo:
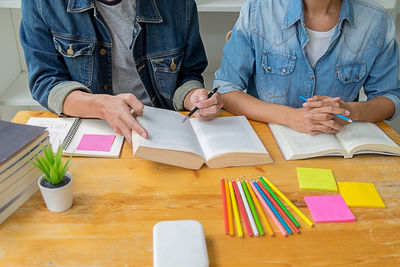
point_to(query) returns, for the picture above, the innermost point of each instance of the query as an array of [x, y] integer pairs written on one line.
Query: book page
[[364, 133], [167, 131], [296, 145], [227, 135], [58, 128]]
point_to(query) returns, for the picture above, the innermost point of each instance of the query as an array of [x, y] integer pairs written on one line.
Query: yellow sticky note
[[316, 179], [360, 195]]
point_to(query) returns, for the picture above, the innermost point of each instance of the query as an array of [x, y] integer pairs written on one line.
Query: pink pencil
[[276, 221], [242, 210], [281, 212], [224, 205]]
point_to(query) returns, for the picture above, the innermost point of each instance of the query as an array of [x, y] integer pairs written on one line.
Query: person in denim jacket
[[106, 58], [323, 50]]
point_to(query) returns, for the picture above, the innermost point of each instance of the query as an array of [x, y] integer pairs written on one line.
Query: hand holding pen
[[212, 107]]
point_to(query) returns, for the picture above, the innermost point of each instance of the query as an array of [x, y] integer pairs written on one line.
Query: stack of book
[[19, 144]]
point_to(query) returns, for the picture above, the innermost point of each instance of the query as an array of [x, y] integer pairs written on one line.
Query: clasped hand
[[316, 115]]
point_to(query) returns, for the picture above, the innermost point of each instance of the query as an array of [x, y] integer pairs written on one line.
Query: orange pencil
[[223, 190], [229, 206]]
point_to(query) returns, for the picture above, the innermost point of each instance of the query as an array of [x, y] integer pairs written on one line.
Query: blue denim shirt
[[67, 47], [266, 54]]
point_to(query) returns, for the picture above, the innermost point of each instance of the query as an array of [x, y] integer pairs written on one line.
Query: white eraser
[[179, 243]]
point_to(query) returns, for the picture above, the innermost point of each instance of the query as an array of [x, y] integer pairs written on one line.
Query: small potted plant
[[56, 183]]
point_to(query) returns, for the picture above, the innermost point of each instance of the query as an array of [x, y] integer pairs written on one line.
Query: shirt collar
[[146, 10], [294, 13]]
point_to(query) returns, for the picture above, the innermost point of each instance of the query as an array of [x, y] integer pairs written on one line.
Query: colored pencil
[[235, 210], [271, 206], [267, 208], [304, 217], [241, 209], [229, 207], [247, 209], [278, 208], [252, 208], [260, 210], [224, 206], [337, 115], [279, 202]]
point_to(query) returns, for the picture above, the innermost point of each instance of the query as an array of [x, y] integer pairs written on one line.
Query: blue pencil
[[337, 115], [272, 207]]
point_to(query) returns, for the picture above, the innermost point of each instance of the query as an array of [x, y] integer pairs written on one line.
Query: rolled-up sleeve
[[238, 59], [383, 77]]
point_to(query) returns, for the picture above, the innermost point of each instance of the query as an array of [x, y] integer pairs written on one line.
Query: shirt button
[[105, 87], [357, 77], [284, 70], [269, 68], [103, 51], [346, 79], [312, 78]]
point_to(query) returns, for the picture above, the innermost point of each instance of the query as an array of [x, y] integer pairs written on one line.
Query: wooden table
[[117, 202]]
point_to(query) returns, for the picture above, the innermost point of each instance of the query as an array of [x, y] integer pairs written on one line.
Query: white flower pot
[[57, 199]]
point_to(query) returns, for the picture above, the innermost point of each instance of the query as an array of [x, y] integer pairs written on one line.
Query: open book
[[355, 138], [221, 142], [81, 137]]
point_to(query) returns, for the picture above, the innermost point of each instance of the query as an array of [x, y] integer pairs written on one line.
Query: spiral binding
[[71, 134]]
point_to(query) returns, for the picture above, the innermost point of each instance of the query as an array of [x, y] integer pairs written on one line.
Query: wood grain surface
[[117, 202]]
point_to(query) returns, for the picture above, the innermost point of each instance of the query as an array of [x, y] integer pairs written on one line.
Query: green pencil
[[253, 210], [279, 202]]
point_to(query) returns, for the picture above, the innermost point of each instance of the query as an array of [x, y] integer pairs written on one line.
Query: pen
[[337, 115], [210, 94]]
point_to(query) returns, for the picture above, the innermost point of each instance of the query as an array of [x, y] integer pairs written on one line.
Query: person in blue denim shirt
[[323, 50], [106, 58]]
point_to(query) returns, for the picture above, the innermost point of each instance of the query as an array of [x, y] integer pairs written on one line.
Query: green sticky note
[[360, 195], [316, 179]]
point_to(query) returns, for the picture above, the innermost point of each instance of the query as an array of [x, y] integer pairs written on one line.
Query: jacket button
[[105, 87], [70, 51], [173, 65], [357, 77], [284, 70], [103, 51]]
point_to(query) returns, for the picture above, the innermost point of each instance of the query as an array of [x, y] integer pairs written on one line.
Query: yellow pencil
[[304, 217], [260, 210], [235, 211], [229, 207]]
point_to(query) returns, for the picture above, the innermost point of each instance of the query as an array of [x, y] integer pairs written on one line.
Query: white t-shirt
[[318, 44]]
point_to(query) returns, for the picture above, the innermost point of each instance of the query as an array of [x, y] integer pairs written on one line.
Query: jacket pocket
[[166, 71], [349, 80], [278, 70], [78, 57]]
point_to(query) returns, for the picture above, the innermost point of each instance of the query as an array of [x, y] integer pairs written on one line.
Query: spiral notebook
[[81, 137]]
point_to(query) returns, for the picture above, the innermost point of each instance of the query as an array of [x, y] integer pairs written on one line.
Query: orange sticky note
[[360, 195]]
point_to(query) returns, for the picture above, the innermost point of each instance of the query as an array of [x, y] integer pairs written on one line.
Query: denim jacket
[[67, 47], [267, 54]]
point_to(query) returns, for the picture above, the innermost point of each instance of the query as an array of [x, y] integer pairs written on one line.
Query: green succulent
[[52, 165]]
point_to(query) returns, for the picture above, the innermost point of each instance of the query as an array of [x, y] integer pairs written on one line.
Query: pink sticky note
[[329, 209], [96, 142]]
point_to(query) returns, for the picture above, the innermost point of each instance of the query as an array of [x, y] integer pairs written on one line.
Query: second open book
[[221, 142], [355, 138]]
